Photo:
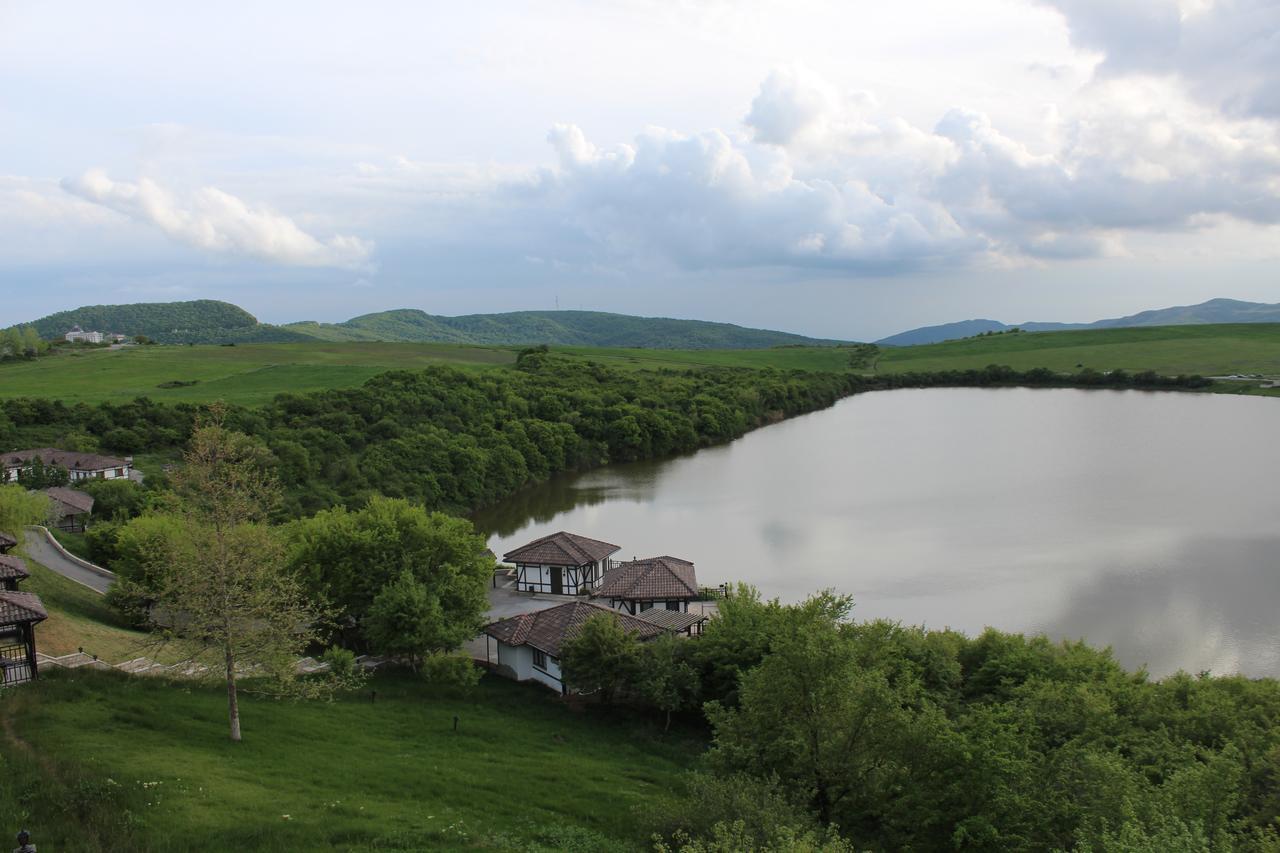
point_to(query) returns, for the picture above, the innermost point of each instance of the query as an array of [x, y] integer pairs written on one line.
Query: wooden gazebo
[[19, 613]]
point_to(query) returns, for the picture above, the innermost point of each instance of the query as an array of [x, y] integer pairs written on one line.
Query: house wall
[[11, 474], [575, 579], [519, 660], [634, 606]]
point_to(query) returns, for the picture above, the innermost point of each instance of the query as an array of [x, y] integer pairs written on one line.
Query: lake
[[1141, 520]]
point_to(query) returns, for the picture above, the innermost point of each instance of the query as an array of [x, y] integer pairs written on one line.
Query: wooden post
[[31, 650]]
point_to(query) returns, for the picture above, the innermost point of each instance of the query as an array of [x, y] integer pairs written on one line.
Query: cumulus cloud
[[825, 178], [1227, 53], [217, 221]]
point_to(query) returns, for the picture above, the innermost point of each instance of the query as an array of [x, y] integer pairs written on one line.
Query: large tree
[[19, 507], [423, 568], [602, 657], [227, 594]]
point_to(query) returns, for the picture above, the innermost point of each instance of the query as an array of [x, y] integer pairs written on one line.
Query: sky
[[843, 169]]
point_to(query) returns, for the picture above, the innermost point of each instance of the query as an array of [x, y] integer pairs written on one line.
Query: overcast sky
[[844, 169]]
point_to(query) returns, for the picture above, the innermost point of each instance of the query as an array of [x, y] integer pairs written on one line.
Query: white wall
[[520, 660]]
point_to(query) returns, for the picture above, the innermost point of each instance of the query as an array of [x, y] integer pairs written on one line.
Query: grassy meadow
[[250, 374], [126, 762], [246, 374], [1208, 350]]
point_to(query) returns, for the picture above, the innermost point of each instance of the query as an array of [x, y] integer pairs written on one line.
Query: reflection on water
[[1133, 519]]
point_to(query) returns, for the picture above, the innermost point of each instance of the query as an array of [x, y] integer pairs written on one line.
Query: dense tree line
[[902, 738]]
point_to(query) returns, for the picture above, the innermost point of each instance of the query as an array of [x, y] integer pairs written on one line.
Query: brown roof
[[650, 578], [18, 608], [7, 541], [549, 629], [73, 501], [561, 549], [13, 568], [69, 459], [672, 620]]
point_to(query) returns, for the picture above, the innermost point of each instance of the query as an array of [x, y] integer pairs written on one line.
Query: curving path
[[39, 548]]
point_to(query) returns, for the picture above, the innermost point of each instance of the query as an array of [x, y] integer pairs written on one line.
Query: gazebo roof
[[672, 620], [650, 578], [13, 568], [549, 629], [561, 549], [6, 542], [20, 608], [72, 501]]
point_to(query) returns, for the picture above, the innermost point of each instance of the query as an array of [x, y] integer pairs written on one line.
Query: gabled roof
[[19, 608], [72, 460], [73, 501], [7, 542], [13, 568], [672, 620], [561, 549], [549, 629], [650, 578]]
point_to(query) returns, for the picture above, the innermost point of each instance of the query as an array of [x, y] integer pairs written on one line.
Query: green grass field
[[252, 374], [106, 761], [246, 374], [1207, 350]]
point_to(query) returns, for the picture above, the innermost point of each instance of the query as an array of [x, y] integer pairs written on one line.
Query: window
[[540, 659], [673, 605], [119, 472]]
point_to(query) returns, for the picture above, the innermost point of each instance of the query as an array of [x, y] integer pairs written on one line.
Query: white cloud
[[829, 179], [217, 221]]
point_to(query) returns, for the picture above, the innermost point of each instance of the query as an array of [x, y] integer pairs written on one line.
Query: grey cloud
[[1227, 53]]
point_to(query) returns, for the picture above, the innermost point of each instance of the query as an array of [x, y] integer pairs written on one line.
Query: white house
[[528, 645], [663, 582], [561, 564], [79, 334], [80, 466]]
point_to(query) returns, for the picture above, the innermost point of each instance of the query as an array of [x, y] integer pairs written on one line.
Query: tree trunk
[[233, 706]]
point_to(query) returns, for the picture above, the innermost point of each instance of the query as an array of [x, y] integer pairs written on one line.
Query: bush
[[451, 669]]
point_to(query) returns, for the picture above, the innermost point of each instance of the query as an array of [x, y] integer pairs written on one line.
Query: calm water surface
[[1144, 521]]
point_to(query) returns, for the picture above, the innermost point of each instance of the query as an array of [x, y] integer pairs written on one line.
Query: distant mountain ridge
[[566, 328], [208, 321], [1213, 311]]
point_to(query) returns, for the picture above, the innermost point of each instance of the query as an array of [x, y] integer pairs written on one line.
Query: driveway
[[39, 549]]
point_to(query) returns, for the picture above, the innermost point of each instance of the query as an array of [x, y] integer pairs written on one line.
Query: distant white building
[[79, 334], [79, 466]]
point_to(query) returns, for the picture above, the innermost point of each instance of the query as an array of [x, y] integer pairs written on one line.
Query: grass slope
[[353, 774], [564, 328], [1208, 350], [245, 374]]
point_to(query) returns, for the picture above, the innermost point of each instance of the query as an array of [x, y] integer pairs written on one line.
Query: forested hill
[[566, 328], [201, 321]]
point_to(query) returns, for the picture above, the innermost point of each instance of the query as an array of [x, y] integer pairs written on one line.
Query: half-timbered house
[[529, 645], [668, 583], [79, 466], [561, 564]]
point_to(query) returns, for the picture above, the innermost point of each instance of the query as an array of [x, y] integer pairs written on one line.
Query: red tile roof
[[549, 629], [19, 608], [13, 568], [650, 579], [561, 549]]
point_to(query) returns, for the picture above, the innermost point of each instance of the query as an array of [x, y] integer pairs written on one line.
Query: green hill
[[201, 321], [566, 328]]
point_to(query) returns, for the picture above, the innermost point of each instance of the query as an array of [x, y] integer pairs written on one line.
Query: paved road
[[38, 548]]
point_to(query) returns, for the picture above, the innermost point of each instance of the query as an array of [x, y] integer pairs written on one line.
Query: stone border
[[79, 561]]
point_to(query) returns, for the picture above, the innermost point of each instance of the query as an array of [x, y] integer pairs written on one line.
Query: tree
[[19, 507], [666, 679], [348, 558], [405, 620], [115, 500], [37, 475], [227, 593], [602, 657]]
